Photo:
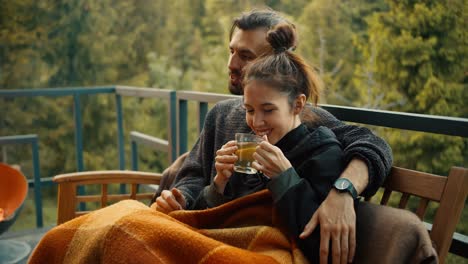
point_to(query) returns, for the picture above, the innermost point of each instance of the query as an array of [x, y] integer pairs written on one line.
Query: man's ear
[[299, 104]]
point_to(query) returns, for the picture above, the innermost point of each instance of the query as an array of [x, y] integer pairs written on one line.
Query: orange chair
[[13, 192]]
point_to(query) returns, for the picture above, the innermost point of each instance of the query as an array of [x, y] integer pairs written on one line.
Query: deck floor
[[30, 237]]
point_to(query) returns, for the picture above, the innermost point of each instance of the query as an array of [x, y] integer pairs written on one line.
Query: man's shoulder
[[229, 103], [316, 109], [228, 106], [316, 116]]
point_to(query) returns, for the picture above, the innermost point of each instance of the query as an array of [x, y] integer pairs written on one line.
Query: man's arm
[[360, 146], [221, 123], [195, 173], [369, 160]]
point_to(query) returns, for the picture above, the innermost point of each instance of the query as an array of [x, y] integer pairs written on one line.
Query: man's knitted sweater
[[228, 117]]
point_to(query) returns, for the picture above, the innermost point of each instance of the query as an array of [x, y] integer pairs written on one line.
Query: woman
[[298, 165]]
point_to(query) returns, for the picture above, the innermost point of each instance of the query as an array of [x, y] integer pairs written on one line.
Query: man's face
[[245, 46]]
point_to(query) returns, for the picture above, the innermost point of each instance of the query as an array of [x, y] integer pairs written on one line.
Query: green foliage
[[328, 28], [413, 62]]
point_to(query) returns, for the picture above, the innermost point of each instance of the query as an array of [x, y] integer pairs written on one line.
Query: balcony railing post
[[78, 132], [37, 183], [79, 142], [183, 130], [120, 135], [134, 156], [202, 111], [173, 125], [120, 132]]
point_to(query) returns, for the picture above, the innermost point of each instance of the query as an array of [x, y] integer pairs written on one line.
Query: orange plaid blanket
[[242, 231]]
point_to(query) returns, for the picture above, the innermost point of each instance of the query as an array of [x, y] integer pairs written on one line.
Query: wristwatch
[[345, 185]]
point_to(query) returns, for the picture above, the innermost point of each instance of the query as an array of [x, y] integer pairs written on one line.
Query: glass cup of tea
[[246, 145]]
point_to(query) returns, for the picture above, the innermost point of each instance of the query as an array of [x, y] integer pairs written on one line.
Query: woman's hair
[[282, 69]]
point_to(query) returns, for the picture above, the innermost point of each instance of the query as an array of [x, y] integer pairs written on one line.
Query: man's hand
[[337, 217], [170, 201], [337, 221]]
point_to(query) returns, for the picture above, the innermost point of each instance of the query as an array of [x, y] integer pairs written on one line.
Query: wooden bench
[[69, 199], [448, 192]]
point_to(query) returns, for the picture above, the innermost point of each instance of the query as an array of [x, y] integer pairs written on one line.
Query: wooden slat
[[416, 183], [99, 177], [113, 197], [104, 195], [141, 196], [133, 191], [66, 202], [385, 197], [422, 207], [403, 201]]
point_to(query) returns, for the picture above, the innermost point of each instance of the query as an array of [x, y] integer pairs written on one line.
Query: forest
[[408, 56]]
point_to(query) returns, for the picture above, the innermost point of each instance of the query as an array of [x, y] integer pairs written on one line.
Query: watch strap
[[350, 187]]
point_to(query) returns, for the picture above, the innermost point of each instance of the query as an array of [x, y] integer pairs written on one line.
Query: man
[[368, 157]]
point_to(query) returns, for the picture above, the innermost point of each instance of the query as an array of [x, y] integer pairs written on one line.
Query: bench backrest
[[68, 198], [449, 192]]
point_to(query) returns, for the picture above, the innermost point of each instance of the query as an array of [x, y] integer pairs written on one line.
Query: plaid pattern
[[241, 231]]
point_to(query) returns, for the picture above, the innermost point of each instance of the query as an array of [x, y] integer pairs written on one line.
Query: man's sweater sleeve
[[360, 142], [195, 174]]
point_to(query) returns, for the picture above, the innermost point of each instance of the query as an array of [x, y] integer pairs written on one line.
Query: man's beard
[[235, 89], [235, 82]]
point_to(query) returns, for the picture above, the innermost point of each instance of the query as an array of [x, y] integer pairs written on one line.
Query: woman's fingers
[[221, 167], [227, 149], [271, 160], [226, 159]]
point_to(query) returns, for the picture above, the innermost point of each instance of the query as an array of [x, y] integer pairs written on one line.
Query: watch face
[[343, 185]]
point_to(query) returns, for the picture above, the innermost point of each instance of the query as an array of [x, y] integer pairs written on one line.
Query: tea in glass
[[246, 144]]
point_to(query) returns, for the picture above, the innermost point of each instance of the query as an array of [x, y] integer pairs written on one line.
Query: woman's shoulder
[[320, 135]]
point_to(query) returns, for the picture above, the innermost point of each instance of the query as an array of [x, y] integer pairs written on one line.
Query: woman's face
[[268, 111]]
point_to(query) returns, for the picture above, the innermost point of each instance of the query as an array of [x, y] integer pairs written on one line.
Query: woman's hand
[[270, 160], [224, 165]]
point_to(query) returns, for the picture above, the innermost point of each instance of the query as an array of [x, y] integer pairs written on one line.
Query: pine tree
[[415, 61]]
